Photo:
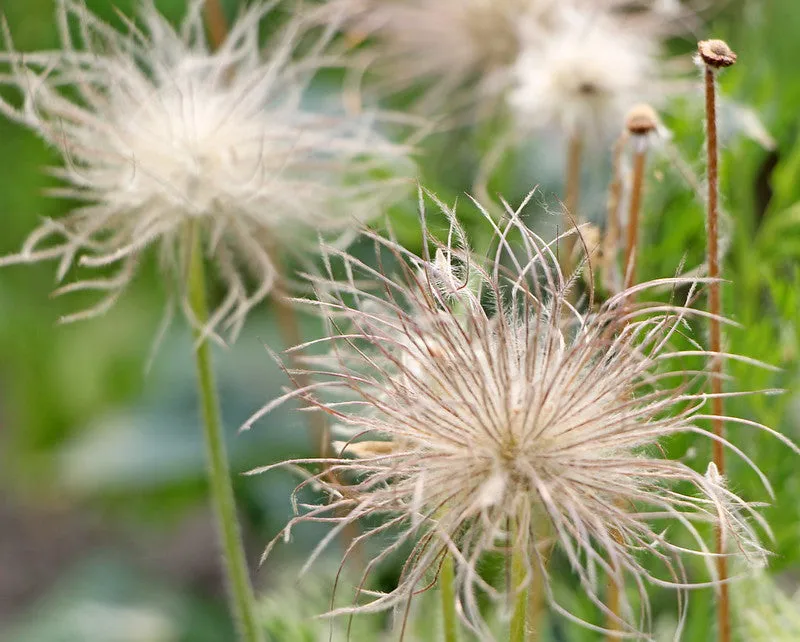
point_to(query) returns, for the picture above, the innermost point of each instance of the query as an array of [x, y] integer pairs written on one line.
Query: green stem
[[518, 571], [219, 477], [536, 593], [447, 577]]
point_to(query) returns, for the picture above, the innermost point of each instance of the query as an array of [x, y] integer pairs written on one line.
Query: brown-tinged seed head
[[493, 426], [716, 53], [641, 119]]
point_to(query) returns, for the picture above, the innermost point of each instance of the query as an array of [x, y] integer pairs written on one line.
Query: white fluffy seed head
[[585, 77], [458, 53], [505, 405], [157, 130], [566, 61]]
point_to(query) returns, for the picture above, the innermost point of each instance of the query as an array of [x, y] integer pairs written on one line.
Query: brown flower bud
[[641, 119], [716, 53]]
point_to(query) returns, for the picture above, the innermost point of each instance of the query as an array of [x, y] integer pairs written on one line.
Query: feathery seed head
[[544, 56], [475, 396], [584, 76], [156, 130], [458, 51]]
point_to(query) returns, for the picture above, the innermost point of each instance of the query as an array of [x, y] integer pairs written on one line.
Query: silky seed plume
[[484, 400], [157, 130]]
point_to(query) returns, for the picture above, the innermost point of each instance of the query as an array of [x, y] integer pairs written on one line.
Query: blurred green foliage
[[87, 430]]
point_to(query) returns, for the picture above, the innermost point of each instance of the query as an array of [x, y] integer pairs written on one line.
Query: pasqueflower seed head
[[464, 58], [456, 53], [479, 411], [583, 78], [157, 130]]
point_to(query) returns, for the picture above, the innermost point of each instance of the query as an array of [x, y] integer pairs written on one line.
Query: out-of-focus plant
[[202, 152], [765, 613]]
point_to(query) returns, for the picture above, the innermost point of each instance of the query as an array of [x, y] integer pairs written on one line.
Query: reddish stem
[[612, 235], [216, 23], [715, 308], [571, 195], [633, 213]]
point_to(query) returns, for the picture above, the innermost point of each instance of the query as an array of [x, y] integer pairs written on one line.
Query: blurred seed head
[[585, 76], [156, 130], [641, 120], [764, 611], [457, 52], [471, 395], [562, 61]]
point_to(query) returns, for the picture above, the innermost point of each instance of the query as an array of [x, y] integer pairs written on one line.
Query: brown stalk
[[216, 23], [612, 233], [714, 55], [319, 430], [571, 196], [639, 123], [289, 326], [633, 217]]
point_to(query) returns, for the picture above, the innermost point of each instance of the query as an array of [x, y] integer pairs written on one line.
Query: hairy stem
[[447, 578], [714, 295], [715, 308], [613, 601], [631, 246], [572, 192], [222, 498], [612, 233]]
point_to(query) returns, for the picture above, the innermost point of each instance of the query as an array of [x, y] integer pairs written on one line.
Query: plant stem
[[640, 122], [289, 326], [219, 475], [613, 604], [319, 431], [447, 577], [631, 245], [715, 308], [222, 498], [536, 598], [716, 54], [518, 571], [714, 295], [612, 235], [572, 192], [216, 23]]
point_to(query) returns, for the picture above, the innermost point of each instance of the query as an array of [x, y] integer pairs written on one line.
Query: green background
[[105, 532]]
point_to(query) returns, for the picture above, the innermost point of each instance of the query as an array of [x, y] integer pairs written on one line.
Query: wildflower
[[584, 77], [157, 131], [466, 56], [459, 52], [477, 404]]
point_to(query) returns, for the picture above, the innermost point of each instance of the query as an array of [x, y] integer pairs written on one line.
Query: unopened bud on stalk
[[641, 120]]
